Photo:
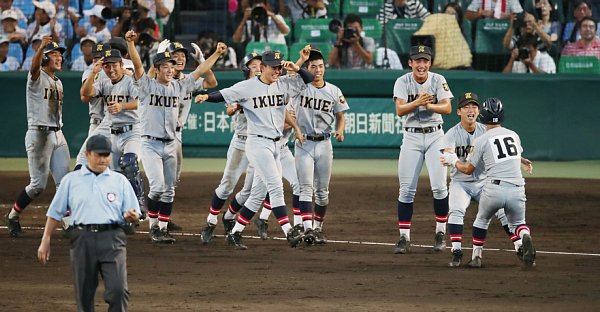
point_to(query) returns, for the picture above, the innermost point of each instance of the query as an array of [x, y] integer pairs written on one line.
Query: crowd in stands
[[351, 33]]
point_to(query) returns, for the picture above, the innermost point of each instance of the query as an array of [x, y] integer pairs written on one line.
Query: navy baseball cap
[[468, 97], [420, 51], [315, 54], [99, 49], [164, 57], [112, 56], [99, 144], [53, 46], [272, 58]]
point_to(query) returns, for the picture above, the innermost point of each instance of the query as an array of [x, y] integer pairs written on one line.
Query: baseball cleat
[[520, 253], [294, 237], [155, 234], [475, 263], [207, 233], [174, 227], [320, 239], [309, 237], [439, 243], [299, 228], [262, 226], [528, 252], [403, 245], [228, 225], [235, 240], [167, 238], [456, 258], [13, 225]]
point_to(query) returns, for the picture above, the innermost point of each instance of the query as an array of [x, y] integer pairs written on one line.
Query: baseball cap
[[250, 57], [177, 46], [272, 58], [88, 38], [466, 98], [420, 51], [10, 14], [118, 43], [164, 57], [315, 53], [37, 37], [47, 6], [53, 46], [96, 11], [99, 49], [112, 56], [99, 144], [4, 39]]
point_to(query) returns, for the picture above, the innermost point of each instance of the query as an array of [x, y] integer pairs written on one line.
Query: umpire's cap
[[164, 57], [99, 144], [99, 49], [272, 58], [112, 56], [53, 46], [177, 46], [468, 97], [420, 51]]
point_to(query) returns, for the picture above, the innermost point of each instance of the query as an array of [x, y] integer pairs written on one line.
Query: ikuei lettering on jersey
[[52, 94], [268, 100], [412, 97], [116, 98], [164, 101], [463, 151], [316, 104]]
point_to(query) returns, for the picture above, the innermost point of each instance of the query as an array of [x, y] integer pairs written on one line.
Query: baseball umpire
[[47, 149]]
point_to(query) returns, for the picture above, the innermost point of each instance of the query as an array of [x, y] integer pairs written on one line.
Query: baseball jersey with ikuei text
[[316, 108], [498, 153], [97, 107], [408, 89], [159, 105], [44, 101], [263, 103], [122, 91], [461, 142], [186, 100]]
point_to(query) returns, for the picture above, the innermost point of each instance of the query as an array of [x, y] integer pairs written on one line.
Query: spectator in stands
[[547, 22], [36, 41], [454, 9], [393, 9], [8, 5], [527, 59], [301, 9], [86, 59], [207, 41], [98, 30], [588, 44], [7, 63], [264, 26], [492, 9], [522, 24], [582, 8], [158, 10], [124, 22], [44, 21], [278, 6], [11, 29], [351, 49], [64, 11]]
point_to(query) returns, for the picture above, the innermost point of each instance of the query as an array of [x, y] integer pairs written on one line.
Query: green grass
[[589, 169]]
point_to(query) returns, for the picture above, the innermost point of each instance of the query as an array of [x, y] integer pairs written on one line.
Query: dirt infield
[[564, 216]]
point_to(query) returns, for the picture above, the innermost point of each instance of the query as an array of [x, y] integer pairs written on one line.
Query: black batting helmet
[[177, 46], [492, 112], [52, 46], [246, 61]]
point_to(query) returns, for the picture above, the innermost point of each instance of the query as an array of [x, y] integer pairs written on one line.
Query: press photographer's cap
[[420, 51], [468, 97], [112, 56], [272, 58], [164, 57], [99, 144]]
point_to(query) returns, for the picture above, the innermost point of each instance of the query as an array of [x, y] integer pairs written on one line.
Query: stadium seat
[[26, 7], [75, 4], [15, 50], [579, 65], [313, 30], [467, 28], [260, 47], [289, 36], [296, 47], [362, 7], [372, 28], [398, 33], [489, 35], [333, 8]]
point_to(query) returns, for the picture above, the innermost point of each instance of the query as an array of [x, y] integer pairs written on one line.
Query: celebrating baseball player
[[47, 149], [421, 96], [263, 100], [465, 187], [160, 116], [497, 152]]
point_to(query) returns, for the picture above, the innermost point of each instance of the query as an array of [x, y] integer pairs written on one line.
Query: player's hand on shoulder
[[200, 98], [130, 36]]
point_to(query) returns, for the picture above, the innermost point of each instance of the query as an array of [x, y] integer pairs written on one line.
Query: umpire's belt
[[96, 227], [500, 182], [268, 138], [322, 137], [45, 128], [121, 130], [95, 121], [157, 139], [423, 130]]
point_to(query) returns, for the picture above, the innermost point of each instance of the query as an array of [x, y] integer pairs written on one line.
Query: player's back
[[499, 152]]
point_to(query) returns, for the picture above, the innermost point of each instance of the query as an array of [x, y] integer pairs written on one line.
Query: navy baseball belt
[[268, 138], [97, 227], [45, 128], [121, 130], [317, 138], [423, 130], [500, 182], [242, 137], [157, 139]]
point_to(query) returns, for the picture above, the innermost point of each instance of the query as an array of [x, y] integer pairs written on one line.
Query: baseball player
[[47, 149], [317, 107], [263, 100], [160, 113], [497, 152], [421, 96], [465, 187]]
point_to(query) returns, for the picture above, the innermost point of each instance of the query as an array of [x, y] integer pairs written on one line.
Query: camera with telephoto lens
[[259, 15], [132, 5], [524, 53], [349, 33]]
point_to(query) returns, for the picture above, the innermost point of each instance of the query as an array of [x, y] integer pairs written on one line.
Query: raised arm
[[130, 36], [36, 61], [87, 89], [208, 64]]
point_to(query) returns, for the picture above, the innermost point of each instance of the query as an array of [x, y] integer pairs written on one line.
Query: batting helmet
[[492, 112], [52, 46], [246, 61], [177, 46]]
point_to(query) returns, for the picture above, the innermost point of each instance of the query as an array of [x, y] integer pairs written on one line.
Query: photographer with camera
[[260, 24], [525, 23], [528, 59], [351, 49]]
